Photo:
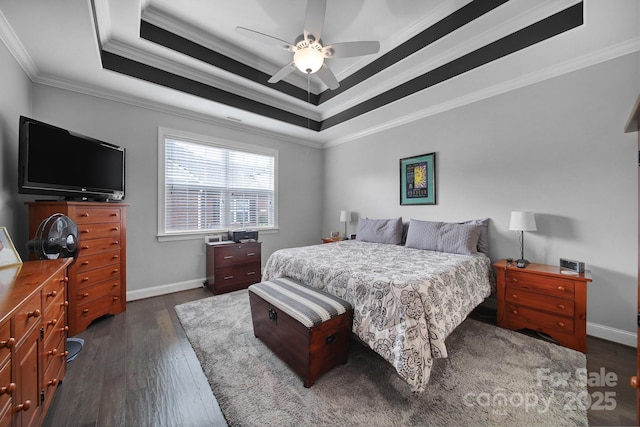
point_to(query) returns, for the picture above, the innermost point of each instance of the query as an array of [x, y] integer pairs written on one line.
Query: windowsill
[[203, 236]]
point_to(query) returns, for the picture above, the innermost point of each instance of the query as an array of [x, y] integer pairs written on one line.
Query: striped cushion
[[308, 305]]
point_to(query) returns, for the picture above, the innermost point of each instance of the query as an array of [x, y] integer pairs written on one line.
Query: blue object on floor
[[74, 345]]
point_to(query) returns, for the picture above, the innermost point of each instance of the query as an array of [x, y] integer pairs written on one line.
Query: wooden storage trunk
[[306, 328]]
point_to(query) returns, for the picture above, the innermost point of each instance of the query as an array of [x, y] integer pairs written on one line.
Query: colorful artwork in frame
[[418, 180]]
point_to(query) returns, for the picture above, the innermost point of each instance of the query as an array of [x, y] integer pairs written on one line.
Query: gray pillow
[[443, 237], [380, 230], [483, 240]]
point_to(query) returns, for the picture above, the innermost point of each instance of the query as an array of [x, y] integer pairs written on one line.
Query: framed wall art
[[418, 180], [8, 254]]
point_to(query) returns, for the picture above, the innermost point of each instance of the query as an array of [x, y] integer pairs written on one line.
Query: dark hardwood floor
[[138, 369]]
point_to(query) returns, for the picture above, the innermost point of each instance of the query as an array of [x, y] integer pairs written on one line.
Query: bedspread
[[407, 301]]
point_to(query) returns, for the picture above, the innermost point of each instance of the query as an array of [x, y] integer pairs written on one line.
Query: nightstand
[[330, 240], [541, 298]]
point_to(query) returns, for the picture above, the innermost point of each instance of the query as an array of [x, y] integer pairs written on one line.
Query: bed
[[408, 297]]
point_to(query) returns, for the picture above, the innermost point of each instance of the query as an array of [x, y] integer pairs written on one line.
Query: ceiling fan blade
[[326, 75], [348, 49], [284, 72], [266, 39], [314, 19]]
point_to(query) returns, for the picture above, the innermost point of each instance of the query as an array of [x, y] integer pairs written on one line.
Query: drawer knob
[[251, 273], [85, 262], [85, 231], [561, 306], [115, 285], [115, 256], [85, 311], [8, 389], [64, 304], [53, 382], [561, 324], [561, 288], [635, 382], [228, 257], [34, 313], [114, 229], [84, 247], [114, 214], [228, 277], [251, 254], [8, 343], [52, 322], [115, 271], [85, 295], [116, 298], [52, 352], [115, 242], [23, 406], [85, 278], [84, 215], [65, 329], [515, 312], [52, 294], [65, 354], [513, 279], [515, 296]]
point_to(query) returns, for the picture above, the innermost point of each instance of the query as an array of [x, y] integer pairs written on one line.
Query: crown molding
[[602, 55], [142, 102], [212, 77], [16, 48], [160, 18]]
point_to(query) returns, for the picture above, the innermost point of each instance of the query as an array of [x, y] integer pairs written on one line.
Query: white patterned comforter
[[407, 301]]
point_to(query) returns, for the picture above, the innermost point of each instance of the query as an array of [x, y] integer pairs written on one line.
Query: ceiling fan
[[308, 49]]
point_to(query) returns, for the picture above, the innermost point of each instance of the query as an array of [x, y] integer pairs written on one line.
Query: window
[[208, 185]]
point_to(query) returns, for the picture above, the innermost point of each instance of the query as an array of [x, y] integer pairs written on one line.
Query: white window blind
[[213, 188]]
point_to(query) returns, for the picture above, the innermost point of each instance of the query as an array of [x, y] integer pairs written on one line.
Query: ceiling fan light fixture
[[308, 60]]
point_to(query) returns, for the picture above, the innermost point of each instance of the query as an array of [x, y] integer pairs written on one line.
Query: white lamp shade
[[308, 60], [522, 221], [345, 216]]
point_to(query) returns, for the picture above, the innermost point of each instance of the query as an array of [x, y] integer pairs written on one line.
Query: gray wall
[[556, 148], [177, 264], [15, 100]]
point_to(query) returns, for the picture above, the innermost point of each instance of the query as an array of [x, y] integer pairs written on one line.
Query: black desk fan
[[57, 237]]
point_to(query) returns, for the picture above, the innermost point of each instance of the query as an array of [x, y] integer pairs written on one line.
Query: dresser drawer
[[238, 273], [100, 259], [95, 231], [557, 305], [543, 284], [538, 320], [87, 215], [91, 277], [54, 318], [95, 291], [91, 310], [6, 340], [52, 289], [88, 247], [236, 254], [27, 315], [7, 387]]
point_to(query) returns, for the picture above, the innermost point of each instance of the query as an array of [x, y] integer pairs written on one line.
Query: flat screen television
[[59, 162]]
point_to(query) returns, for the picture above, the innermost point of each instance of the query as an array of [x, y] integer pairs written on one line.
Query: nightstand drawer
[[236, 254], [538, 320], [557, 305], [539, 283]]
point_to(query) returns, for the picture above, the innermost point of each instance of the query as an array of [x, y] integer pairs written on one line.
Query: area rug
[[491, 377]]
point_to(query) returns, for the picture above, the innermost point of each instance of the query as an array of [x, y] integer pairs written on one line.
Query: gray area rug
[[491, 377]]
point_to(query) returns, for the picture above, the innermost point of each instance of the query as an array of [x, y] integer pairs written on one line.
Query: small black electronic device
[[521, 264], [243, 236], [569, 264]]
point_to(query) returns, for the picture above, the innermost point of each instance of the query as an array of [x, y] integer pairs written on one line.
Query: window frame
[[165, 133]]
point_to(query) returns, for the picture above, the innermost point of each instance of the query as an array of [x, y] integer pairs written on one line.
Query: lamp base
[[522, 263]]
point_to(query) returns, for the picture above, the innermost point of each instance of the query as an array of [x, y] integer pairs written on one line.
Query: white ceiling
[[58, 43]]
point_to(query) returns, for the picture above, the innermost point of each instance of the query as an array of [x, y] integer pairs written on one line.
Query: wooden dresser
[[97, 280], [541, 298], [233, 266], [32, 339]]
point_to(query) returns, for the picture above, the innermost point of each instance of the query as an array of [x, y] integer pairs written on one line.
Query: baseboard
[[155, 291], [612, 334]]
